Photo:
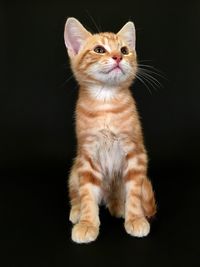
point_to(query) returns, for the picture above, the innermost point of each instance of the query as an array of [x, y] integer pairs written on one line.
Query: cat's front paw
[[84, 232], [74, 214], [138, 227]]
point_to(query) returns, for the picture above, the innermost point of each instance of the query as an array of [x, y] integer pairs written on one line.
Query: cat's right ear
[[75, 36], [127, 33]]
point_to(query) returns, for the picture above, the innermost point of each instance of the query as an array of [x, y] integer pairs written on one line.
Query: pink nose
[[117, 58]]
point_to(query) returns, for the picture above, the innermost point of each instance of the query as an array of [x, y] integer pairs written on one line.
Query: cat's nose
[[117, 58]]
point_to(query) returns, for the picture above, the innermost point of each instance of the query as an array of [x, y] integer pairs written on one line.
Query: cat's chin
[[115, 78]]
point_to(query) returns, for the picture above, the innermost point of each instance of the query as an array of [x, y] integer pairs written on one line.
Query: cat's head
[[103, 58]]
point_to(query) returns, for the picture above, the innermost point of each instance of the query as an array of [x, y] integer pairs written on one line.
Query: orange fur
[[111, 161]]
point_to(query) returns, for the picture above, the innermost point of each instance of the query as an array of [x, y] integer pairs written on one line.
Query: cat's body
[[111, 162]]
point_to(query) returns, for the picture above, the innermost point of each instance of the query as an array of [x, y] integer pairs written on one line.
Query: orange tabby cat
[[111, 161]]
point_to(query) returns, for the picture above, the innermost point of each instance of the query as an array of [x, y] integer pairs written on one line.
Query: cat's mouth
[[116, 69]]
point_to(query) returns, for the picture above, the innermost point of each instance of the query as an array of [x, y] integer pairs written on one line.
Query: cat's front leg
[[87, 229], [135, 222], [74, 194]]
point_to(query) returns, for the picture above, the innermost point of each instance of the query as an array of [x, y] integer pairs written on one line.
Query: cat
[[111, 162]]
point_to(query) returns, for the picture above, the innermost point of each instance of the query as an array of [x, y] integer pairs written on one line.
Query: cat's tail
[[148, 199]]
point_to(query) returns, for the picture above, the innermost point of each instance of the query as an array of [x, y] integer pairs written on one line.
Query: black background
[[38, 142]]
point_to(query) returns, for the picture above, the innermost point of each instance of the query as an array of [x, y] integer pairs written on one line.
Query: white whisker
[[142, 81], [153, 72], [93, 21], [66, 81], [149, 81], [151, 68], [151, 78]]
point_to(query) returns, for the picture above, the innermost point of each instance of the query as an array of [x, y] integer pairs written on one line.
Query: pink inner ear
[[75, 35], [74, 43]]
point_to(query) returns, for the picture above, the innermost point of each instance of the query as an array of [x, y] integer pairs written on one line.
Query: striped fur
[[111, 162]]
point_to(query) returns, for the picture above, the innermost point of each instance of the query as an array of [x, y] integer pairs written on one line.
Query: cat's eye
[[99, 49], [124, 50]]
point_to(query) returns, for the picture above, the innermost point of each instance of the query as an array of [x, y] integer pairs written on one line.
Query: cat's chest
[[115, 114], [109, 152], [99, 117], [105, 94], [110, 123]]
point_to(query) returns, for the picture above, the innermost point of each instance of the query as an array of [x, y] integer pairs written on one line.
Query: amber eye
[[99, 49], [124, 50]]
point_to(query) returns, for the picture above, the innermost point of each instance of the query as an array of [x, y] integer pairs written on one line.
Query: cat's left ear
[[75, 36], [127, 33]]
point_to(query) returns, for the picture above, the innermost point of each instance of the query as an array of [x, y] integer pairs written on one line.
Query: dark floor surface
[[36, 230]]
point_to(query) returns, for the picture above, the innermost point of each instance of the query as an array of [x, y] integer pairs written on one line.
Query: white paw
[[84, 233], [139, 227]]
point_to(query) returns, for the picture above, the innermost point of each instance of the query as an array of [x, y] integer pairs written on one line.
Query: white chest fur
[[109, 154], [103, 93]]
